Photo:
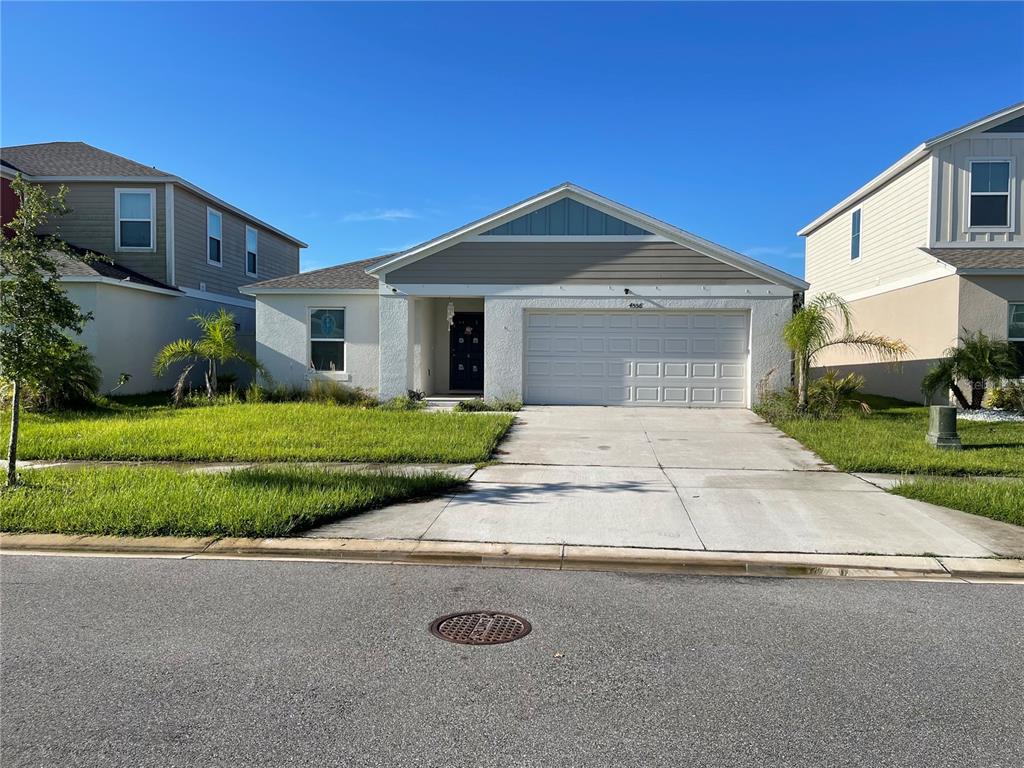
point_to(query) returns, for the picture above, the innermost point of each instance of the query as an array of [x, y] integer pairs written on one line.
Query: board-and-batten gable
[[952, 186], [566, 217], [478, 262]]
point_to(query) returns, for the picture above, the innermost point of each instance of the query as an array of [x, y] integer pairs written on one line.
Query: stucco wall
[[985, 300], [504, 322], [130, 326], [282, 336]]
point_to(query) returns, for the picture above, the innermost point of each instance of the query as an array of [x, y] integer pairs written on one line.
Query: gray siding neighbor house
[[171, 250], [564, 298]]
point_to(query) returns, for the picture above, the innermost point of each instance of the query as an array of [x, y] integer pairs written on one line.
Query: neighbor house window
[[327, 339], [214, 238], [135, 221], [990, 193], [1015, 333], [855, 235], [251, 243]]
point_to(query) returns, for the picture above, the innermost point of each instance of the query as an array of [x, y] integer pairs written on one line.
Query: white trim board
[[939, 271], [169, 231], [603, 204], [218, 298], [593, 291], [118, 283], [566, 239]]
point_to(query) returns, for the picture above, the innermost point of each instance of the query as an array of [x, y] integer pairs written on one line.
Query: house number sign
[[636, 305]]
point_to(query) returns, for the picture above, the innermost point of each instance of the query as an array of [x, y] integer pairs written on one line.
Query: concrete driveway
[[679, 479]]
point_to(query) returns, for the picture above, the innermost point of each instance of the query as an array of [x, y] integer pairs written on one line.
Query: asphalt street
[[149, 662]]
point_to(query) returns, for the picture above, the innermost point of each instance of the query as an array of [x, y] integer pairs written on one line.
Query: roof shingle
[[72, 158], [351, 275], [95, 267], [979, 258]]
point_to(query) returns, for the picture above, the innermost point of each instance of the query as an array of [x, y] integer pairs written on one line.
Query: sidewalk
[[545, 556]]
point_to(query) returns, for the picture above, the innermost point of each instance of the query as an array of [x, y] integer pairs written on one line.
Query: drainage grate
[[480, 628]]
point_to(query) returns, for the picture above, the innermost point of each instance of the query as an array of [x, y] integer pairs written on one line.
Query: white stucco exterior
[[282, 338], [130, 325]]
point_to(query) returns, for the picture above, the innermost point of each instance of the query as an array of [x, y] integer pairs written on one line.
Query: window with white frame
[[135, 219], [251, 252], [855, 235], [1015, 332], [327, 339], [990, 193], [214, 237]]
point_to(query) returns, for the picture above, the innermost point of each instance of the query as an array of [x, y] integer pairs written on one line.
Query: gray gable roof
[[95, 268], [72, 158], [979, 258], [351, 275]]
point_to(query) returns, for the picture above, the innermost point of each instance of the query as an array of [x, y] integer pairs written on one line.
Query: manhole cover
[[480, 628]]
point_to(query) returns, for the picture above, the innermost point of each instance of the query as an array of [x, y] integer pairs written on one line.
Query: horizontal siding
[[954, 184], [568, 263], [277, 257], [90, 224], [894, 226]]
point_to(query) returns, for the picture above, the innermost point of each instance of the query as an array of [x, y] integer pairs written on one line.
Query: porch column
[[395, 322], [503, 348]]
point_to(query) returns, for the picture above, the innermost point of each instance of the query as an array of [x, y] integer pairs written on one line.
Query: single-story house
[[564, 298]]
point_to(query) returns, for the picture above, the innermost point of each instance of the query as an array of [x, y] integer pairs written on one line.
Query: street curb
[[544, 556]]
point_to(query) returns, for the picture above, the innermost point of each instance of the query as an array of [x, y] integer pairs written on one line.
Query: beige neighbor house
[[172, 250], [564, 298], [930, 247]]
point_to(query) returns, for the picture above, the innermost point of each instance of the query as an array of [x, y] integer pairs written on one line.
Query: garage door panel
[[696, 359]]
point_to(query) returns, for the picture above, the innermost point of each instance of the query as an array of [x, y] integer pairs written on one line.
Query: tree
[[36, 315], [976, 359], [827, 322], [216, 345]]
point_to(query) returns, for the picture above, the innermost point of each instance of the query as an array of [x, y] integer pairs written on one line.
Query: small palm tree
[[976, 359], [216, 345], [826, 321]]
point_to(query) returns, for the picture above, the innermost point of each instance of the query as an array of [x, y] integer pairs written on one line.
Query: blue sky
[[364, 129]]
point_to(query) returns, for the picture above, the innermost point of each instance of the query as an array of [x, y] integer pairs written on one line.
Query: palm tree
[[826, 321], [978, 360], [216, 345]]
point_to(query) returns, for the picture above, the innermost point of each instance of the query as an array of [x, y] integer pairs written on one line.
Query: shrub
[[328, 391], [507, 405], [71, 381], [1008, 396], [977, 359], [402, 403], [828, 397]]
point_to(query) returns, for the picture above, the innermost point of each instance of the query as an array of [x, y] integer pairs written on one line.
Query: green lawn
[[158, 501], [1002, 500], [891, 439], [262, 432]]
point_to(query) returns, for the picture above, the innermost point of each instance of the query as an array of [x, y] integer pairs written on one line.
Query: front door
[[466, 343]]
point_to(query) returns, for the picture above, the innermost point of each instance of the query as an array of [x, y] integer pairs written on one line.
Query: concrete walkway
[[718, 480]]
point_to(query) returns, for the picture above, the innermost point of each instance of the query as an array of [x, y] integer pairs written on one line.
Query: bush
[[327, 391], [498, 404], [402, 403], [1008, 396], [72, 381], [828, 397]]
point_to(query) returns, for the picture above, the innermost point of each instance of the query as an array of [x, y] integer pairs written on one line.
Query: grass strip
[[160, 501], [998, 499], [262, 432]]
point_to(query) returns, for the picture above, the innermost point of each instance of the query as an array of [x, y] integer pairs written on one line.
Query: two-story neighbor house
[[172, 250], [564, 298], [930, 247]]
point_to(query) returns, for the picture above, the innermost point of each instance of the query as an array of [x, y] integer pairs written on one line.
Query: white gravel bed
[[990, 414]]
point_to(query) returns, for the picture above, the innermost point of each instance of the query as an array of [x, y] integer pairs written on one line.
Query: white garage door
[[637, 358]]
